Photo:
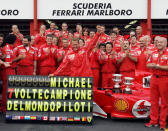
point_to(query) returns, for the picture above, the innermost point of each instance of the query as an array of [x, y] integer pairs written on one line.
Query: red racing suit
[[47, 61], [108, 68], [76, 63], [18, 40], [159, 88], [142, 59], [55, 32], [103, 38], [26, 65], [95, 67], [127, 67], [64, 35], [39, 40], [9, 53]]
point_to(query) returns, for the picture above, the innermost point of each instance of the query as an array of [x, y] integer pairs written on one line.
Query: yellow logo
[[121, 105], [89, 119]]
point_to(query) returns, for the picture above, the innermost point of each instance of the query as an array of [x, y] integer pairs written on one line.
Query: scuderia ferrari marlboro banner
[[92, 9], [59, 99]]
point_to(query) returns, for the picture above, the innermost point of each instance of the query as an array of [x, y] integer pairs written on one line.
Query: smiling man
[[76, 62]]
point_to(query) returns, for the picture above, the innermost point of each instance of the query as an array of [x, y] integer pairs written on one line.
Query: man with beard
[[26, 58], [126, 60]]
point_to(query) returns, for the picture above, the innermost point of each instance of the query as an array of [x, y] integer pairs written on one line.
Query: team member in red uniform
[[1, 56], [150, 46], [76, 62], [114, 41], [8, 57], [52, 30], [91, 34], [82, 43], [131, 33], [70, 36], [134, 45], [138, 32], [47, 56], [63, 51], [41, 37], [103, 37], [127, 60], [32, 40], [18, 35], [26, 57], [86, 36], [78, 32], [108, 62], [94, 61], [119, 37], [2, 63], [143, 55], [39, 41], [156, 40], [63, 33], [55, 41], [158, 62]]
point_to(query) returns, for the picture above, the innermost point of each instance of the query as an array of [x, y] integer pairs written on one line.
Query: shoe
[[151, 124], [162, 127]]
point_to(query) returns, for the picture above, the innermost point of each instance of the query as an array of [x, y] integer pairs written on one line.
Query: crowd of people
[[88, 53]]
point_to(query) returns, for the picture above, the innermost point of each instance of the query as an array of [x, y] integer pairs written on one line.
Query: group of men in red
[[87, 53]]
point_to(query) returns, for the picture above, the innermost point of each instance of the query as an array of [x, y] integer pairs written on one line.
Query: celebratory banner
[[60, 99]]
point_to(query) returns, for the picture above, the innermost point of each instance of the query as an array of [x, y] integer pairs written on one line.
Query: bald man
[[156, 40], [138, 32], [158, 63]]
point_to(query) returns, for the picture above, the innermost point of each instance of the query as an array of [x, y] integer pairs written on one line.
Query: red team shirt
[[127, 64], [55, 32], [103, 38], [120, 38], [50, 59], [108, 64], [94, 59], [64, 35], [160, 59], [142, 59], [18, 40], [30, 52], [10, 55], [39, 40]]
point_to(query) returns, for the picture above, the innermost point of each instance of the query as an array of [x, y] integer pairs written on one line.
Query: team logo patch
[[139, 52], [52, 50], [22, 50], [156, 55], [81, 52], [121, 105], [141, 109], [71, 57]]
